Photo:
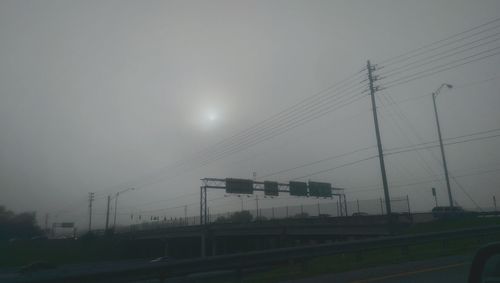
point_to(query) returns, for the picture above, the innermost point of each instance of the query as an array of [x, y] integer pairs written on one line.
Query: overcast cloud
[[99, 96]]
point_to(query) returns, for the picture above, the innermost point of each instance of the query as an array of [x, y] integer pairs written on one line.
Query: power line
[[318, 161], [262, 139], [444, 67], [477, 82], [291, 126], [466, 193], [449, 143], [238, 147], [198, 157], [318, 106], [402, 117], [425, 61], [398, 57], [333, 168], [399, 185], [468, 84], [305, 176], [256, 127], [311, 115], [425, 165], [447, 139]]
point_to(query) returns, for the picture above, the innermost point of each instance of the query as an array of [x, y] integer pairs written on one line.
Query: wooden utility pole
[[371, 80]]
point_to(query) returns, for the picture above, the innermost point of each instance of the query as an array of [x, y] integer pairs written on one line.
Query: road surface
[[441, 270]]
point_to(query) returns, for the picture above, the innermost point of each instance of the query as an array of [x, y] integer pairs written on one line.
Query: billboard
[[271, 188], [317, 189], [239, 186], [298, 189]]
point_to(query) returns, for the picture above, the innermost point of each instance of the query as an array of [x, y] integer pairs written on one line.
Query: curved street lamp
[[434, 95], [116, 203]]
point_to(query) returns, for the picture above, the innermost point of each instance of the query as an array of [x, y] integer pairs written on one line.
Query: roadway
[[440, 270]]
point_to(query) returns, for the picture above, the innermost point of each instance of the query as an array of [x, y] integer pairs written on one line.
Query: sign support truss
[[217, 183]]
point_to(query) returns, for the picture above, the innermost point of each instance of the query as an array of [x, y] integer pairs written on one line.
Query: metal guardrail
[[258, 258]]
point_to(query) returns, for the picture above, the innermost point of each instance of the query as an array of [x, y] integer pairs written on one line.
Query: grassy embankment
[[353, 261]]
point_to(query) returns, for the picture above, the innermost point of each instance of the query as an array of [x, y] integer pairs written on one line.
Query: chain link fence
[[320, 209]]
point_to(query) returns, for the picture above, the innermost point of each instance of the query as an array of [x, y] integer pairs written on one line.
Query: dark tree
[[21, 225], [241, 217]]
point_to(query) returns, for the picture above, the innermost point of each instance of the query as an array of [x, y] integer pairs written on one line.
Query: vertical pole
[[107, 215], [442, 151], [185, 214], [205, 203], [345, 206], [408, 202], [338, 206], [357, 202], [257, 205], [91, 199], [116, 205], [379, 141], [201, 205]]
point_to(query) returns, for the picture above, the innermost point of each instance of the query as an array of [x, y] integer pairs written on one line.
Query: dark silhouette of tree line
[[17, 225]]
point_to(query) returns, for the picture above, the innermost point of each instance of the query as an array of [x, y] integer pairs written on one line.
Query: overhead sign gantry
[[270, 188]]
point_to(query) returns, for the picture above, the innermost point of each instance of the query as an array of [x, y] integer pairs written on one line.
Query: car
[[162, 259], [447, 211], [485, 266]]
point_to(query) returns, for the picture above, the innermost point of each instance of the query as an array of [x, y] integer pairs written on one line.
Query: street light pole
[[445, 166], [116, 203]]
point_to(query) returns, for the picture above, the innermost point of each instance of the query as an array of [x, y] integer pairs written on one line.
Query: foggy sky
[[100, 96]]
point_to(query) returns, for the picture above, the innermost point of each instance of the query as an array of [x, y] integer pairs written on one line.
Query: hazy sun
[[212, 116], [209, 113]]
